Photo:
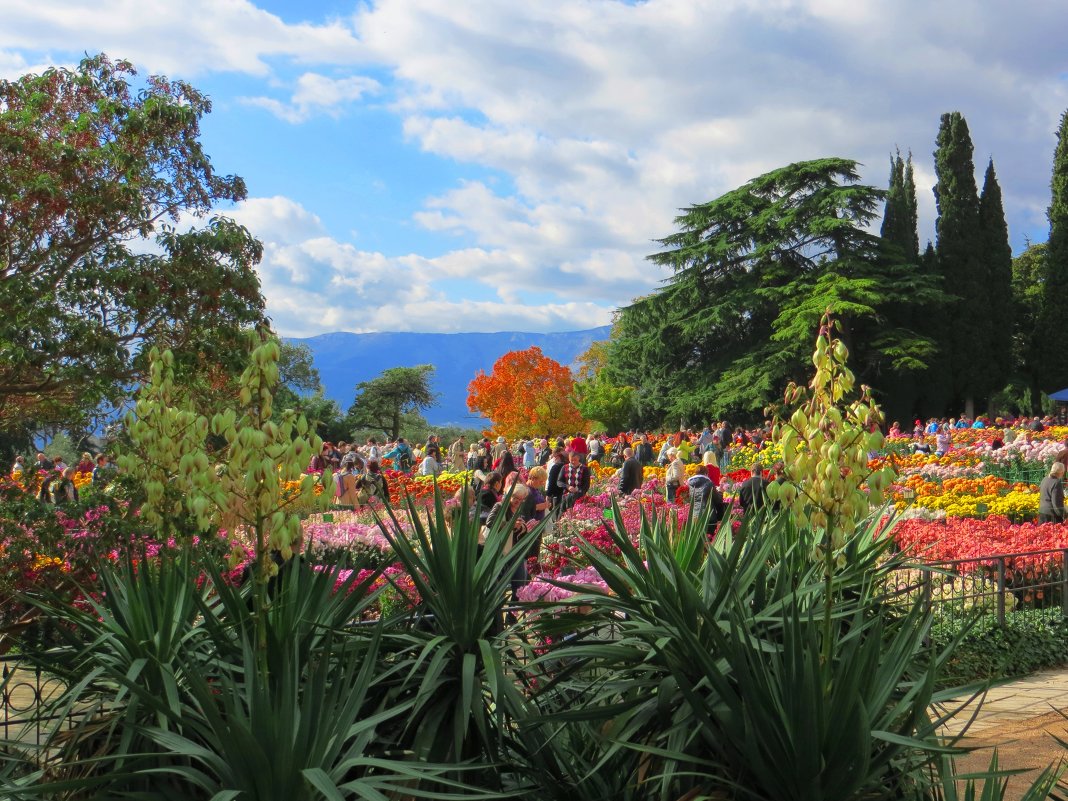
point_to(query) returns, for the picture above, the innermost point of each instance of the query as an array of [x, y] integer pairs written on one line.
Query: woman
[[512, 519], [1051, 495], [348, 485], [711, 465], [86, 464], [505, 464], [374, 483], [63, 489], [675, 474], [943, 440], [486, 497]]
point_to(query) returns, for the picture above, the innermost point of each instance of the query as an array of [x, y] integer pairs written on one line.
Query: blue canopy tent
[[1062, 405]]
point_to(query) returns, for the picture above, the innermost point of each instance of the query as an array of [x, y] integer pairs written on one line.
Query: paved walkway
[[1020, 719]]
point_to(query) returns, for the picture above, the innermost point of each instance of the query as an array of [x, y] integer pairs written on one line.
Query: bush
[[1030, 640]]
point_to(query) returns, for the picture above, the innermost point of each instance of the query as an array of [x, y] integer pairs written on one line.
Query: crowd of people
[[58, 481]]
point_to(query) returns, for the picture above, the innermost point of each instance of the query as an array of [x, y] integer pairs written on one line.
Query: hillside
[[345, 359]]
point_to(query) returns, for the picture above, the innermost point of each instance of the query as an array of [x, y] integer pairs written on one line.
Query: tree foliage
[[753, 271], [597, 399], [959, 244], [381, 403], [1052, 364], [526, 393], [997, 254], [88, 164]]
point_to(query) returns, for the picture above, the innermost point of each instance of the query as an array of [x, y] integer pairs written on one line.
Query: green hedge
[[1030, 640]]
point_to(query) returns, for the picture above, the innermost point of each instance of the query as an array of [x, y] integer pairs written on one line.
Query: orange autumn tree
[[527, 393]]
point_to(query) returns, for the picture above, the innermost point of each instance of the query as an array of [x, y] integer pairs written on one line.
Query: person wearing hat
[[499, 447]]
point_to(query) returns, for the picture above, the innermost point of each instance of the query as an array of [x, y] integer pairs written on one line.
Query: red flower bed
[[969, 538]]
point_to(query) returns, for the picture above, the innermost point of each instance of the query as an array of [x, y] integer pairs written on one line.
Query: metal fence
[[25, 693], [1001, 586]]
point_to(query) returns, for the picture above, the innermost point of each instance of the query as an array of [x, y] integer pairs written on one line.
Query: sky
[[496, 165]]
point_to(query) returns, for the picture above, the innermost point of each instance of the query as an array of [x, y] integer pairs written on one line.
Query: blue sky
[[487, 165]]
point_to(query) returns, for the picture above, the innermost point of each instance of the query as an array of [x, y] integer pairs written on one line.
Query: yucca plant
[[460, 657], [717, 682]]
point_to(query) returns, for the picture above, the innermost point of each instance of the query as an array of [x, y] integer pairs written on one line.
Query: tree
[[753, 272], [1052, 362], [597, 399], [900, 218], [959, 245], [87, 165], [526, 393], [381, 403], [997, 253]]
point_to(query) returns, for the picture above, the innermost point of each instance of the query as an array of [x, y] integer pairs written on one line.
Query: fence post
[[1064, 582], [1001, 591]]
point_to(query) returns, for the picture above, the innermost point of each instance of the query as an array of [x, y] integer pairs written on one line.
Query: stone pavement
[[1021, 720]]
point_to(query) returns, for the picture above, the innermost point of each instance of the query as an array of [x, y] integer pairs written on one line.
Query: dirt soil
[[1025, 744]]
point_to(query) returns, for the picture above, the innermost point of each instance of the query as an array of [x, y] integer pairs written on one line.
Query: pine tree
[[960, 260], [1051, 360], [998, 255]]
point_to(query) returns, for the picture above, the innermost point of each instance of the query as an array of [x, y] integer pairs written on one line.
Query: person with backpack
[[63, 489], [374, 483], [401, 455]]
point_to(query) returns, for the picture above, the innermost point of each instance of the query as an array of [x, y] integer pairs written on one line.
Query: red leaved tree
[[527, 393]]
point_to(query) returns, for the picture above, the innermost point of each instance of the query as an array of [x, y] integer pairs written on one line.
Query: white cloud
[[188, 38], [317, 94]]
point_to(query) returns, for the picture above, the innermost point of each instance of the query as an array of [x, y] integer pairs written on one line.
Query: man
[[595, 448], [44, 463], [1051, 496], [631, 478], [574, 480], [753, 494], [499, 448], [457, 457], [705, 495], [644, 451]]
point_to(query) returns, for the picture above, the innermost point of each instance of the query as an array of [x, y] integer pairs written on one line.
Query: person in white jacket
[[675, 474]]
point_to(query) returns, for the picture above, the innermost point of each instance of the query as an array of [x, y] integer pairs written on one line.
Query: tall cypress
[[910, 210], [1051, 358], [895, 209], [960, 260], [998, 255]]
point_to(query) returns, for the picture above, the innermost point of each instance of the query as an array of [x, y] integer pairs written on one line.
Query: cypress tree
[[960, 260], [899, 213], [998, 255], [1051, 358], [911, 215]]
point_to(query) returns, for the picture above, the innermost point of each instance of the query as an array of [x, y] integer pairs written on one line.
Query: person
[[433, 448], [1051, 496], [1062, 454], [578, 445], [456, 454], [595, 448], [348, 485], [674, 475], [530, 454], [553, 491], [374, 483], [373, 453], [505, 464], [752, 494], [474, 460], [401, 454], [631, 476], [545, 452], [104, 470], [895, 430], [318, 462], [511, 517], [19, 466], [59, 465], [499, 448], [63, 489], [429, 466], [644, 451], [664, 457], [705, 497], [943, 440], [574, 480], [487, 495], [537, 505], [711, 465], [85, 466]]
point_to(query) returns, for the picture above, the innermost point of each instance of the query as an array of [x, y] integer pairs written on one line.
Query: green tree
[[959, 244], [603, 403], [753, 272], [1052, 363], [382, 403], [900, 220], [997, 253], [89, 163]]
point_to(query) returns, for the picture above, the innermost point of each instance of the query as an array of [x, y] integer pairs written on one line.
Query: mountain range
[[344, 360]]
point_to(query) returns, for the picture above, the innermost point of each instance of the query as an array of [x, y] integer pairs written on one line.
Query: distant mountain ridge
[[345, 359]]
